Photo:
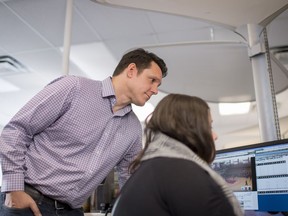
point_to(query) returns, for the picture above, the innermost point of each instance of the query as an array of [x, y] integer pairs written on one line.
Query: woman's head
[[186, 119]]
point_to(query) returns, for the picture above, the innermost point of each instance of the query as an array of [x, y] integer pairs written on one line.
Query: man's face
[[146, 84]]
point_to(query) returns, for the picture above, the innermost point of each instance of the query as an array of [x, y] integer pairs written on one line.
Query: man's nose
[[154, 89]]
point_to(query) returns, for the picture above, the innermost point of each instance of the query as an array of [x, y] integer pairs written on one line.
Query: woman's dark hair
[[142, 59], [184, 118]]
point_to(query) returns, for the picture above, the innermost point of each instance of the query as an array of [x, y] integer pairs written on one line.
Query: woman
[[172, 176]]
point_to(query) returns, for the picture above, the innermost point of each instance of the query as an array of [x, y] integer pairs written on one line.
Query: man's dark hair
[[142, 59]]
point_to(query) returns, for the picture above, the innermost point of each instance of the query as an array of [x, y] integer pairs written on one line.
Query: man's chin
[[140, 103]]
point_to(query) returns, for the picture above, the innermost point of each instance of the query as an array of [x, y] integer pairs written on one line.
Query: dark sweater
[[171, 187]]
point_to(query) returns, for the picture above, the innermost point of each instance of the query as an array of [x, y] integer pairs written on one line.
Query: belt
[[39, 198]]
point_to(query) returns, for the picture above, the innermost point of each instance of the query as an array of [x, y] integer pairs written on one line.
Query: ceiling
[[206, 59]]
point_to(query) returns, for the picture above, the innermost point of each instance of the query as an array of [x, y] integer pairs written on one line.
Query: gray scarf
[[164, 146]]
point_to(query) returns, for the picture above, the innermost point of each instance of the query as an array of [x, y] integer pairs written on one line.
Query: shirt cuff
[[12, 182]]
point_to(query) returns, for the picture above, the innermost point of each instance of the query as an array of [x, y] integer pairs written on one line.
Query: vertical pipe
[[67, 36], [263, 91]]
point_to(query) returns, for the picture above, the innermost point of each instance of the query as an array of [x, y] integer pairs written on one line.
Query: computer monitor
[[257, 174]]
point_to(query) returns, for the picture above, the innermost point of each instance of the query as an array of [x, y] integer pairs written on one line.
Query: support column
[[67, 36], [265, 107]]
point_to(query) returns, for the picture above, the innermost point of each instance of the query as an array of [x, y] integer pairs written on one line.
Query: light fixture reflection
[[234, 108]]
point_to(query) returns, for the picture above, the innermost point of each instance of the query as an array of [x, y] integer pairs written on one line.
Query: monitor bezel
[[253, 146]]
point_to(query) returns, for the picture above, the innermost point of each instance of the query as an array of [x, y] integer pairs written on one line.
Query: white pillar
[[265, 108], [67, 36]]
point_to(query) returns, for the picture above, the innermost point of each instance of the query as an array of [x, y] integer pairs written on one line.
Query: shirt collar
[[108, 90], [107, 87]]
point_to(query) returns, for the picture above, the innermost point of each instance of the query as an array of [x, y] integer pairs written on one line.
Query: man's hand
[[20, 199]]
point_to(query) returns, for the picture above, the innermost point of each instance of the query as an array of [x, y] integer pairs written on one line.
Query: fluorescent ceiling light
[[143, 111], [6, 86], [234, 108]]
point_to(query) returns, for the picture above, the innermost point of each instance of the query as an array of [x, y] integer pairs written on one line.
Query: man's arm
[[33, 118]]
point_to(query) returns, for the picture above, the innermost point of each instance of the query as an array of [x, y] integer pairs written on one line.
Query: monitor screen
[[257, 174]]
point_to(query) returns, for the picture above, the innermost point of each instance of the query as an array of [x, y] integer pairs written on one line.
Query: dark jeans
[[46, 209]]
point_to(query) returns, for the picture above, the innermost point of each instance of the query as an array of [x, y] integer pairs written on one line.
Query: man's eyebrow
[[158, 81]]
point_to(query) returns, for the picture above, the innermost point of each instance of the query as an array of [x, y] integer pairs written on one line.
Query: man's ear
[[131, 70]]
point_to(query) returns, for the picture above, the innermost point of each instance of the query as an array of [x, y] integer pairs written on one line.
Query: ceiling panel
[[13, 29], [46, 62], [40, 20], [199, 67], [216, 11], [166, 23], [115, 22], [278, 31], [118, 46]]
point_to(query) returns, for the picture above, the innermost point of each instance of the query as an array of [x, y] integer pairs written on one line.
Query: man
[[61, 145]]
